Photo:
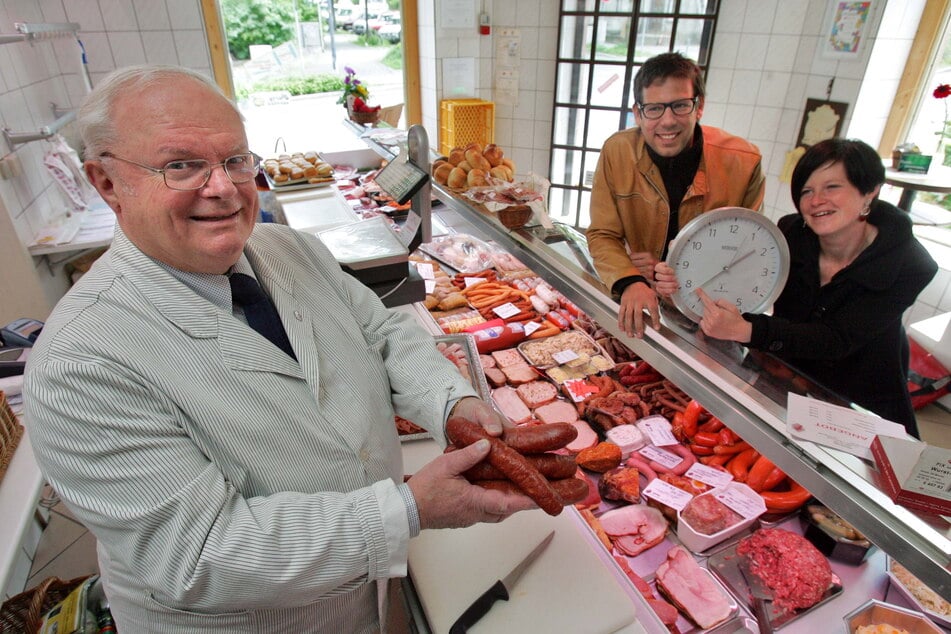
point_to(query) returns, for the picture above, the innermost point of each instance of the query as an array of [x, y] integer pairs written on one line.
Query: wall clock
[[731, 253]]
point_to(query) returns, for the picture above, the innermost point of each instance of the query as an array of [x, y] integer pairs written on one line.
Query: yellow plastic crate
[[464, 121]]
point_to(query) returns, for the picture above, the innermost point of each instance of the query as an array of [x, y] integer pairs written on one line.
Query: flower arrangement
[[943, 91], [353, 86]]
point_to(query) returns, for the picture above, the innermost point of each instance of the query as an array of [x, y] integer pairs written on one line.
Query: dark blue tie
[[259, 310]]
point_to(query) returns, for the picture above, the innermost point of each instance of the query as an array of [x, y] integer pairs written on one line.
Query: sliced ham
[[635, 528], [518, 373], [587, 437], [557, 412], [537, 393], [665, 612], [509, 356], [487, 361], [692, 589], [509, 403], [495, 377]]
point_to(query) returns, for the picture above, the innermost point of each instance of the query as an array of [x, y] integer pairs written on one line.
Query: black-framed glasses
[[656, 110], [191, 174]]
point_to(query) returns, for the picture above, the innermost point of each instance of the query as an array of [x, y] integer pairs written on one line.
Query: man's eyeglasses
[[195, 173], [679, 107]]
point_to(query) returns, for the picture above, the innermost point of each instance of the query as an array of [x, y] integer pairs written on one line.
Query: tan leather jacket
[[629, 205]]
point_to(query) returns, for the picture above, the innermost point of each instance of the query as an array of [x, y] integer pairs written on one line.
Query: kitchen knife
[[760, 594], [501, 589]]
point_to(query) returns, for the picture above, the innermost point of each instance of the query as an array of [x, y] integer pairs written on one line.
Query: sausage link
[[571, 490], [552, 466], [516, 468], [539, 438]]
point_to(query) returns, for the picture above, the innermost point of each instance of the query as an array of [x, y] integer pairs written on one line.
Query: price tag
[[425, 270], [531, 327], [472, 281], [709, 475], [658, 430], [667, 494], [742, 499], [564, 356], [579, 389], [430, 286], [506, 310], [658, 455]]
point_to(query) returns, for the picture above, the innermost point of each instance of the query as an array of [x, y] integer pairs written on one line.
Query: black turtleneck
[[677, 173]]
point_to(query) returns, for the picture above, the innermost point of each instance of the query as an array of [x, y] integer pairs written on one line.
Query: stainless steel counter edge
[[921, 543]]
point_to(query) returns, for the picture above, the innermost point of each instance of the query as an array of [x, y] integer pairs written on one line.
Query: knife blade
[[501, 589], [760, 595]]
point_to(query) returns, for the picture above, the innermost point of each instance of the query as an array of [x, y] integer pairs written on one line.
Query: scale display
[[401, 179]]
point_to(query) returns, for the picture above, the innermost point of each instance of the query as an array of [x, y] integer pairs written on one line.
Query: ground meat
[[708, 515], [791, 567]]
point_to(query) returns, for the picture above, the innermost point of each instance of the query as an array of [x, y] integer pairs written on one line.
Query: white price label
[[425, 270], [743, 500], [472, 281], [564, 356], [658, 455], [531, 327], [506, 310], [430, 286], [658, 430], [709, 475], [667, 494]]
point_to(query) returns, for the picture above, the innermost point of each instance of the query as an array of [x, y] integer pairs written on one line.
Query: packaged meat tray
[[918, 594], [876, 612], [724, 564], [543, 353], [460, 251]]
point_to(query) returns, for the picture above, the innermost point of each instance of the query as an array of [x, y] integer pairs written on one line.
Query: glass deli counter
[[736, 385]]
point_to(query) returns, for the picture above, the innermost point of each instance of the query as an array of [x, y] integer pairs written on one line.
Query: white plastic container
[[628, 437], [748, 508]]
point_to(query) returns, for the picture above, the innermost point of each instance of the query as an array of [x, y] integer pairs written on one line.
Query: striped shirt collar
[[215, 288]]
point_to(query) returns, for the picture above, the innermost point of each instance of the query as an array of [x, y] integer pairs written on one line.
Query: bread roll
[[464, 166], [457, 178], [439, 162], [509, 163], [476, 177], [457, 155], [493, 154], [474, 146], [476, 160], [501, 172], [441, 175]]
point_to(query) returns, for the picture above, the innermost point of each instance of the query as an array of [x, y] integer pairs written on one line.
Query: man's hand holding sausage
[[478, 411]]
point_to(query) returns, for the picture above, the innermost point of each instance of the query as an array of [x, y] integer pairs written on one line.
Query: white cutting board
[[568, 588]]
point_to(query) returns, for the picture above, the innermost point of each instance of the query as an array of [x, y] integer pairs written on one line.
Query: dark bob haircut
[[660, 67], [863, 166]]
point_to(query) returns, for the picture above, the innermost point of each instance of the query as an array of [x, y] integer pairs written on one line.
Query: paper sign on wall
[[458, 77]]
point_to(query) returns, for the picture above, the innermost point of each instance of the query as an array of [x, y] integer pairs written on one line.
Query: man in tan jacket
[[653, 179]]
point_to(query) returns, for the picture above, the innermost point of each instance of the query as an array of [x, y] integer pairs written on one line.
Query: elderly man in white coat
[[232, 485]]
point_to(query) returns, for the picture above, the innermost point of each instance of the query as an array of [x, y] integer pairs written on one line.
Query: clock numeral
[[739, 302], [712, 232], [734, 229], [696, 245], [765, 272], [755, 290], [688, 284], [763, 252], [685, 265]]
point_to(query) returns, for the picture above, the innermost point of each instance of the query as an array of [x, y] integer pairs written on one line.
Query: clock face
[[733, 254]]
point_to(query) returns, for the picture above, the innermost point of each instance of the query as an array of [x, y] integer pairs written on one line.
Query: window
[[602, 44]]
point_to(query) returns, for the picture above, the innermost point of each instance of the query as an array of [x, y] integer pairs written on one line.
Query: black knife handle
[[479, 608]]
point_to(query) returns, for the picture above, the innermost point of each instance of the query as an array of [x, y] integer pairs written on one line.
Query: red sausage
[[516, 468], [688, 459], [552, 466], [642, 467], [571, 490], [539, 438]]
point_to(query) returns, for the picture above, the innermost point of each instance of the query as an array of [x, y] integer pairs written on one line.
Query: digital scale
[[370, 250]]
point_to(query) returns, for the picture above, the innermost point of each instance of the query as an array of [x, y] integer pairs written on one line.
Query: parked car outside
[[344, 17], [392, 29]]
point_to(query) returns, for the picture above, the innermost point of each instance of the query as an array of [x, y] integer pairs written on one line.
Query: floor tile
[[60, 534], [77, 560]]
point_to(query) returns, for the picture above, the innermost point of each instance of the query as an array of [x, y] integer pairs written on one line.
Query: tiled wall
[[766, 61], [114, 33]]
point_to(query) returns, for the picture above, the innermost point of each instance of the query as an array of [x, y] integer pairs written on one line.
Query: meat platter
[[894, 572], [724, 565], [737, 624]]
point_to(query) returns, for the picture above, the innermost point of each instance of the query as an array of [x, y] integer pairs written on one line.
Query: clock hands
[[736, 260]]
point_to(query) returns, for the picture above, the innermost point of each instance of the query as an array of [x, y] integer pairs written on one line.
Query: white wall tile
[[738, 119], [52, 10], [781, 54], [731, 16], [725, 49], [764, 124], [86, 14], [718, 84], [773, 89], [127, 47], [527, 12], [754, 50], [790, 17], [159, 47], [744, 87], [152, 15], [184, 14], [98, 52], [118, 15], [759, 16], [192, 50], [503, 14], [22, 11]]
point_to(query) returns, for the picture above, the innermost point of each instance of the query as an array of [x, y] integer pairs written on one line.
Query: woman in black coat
[[855, 268]]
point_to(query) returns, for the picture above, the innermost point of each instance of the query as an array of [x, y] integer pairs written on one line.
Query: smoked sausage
[[571, 490], [552, 466], [539, 438], [516, 468]]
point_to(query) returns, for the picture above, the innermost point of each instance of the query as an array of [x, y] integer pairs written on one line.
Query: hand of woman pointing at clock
[[722, 320]]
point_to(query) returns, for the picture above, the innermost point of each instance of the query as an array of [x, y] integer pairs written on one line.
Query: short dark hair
[[863, 166], [666, 65]]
